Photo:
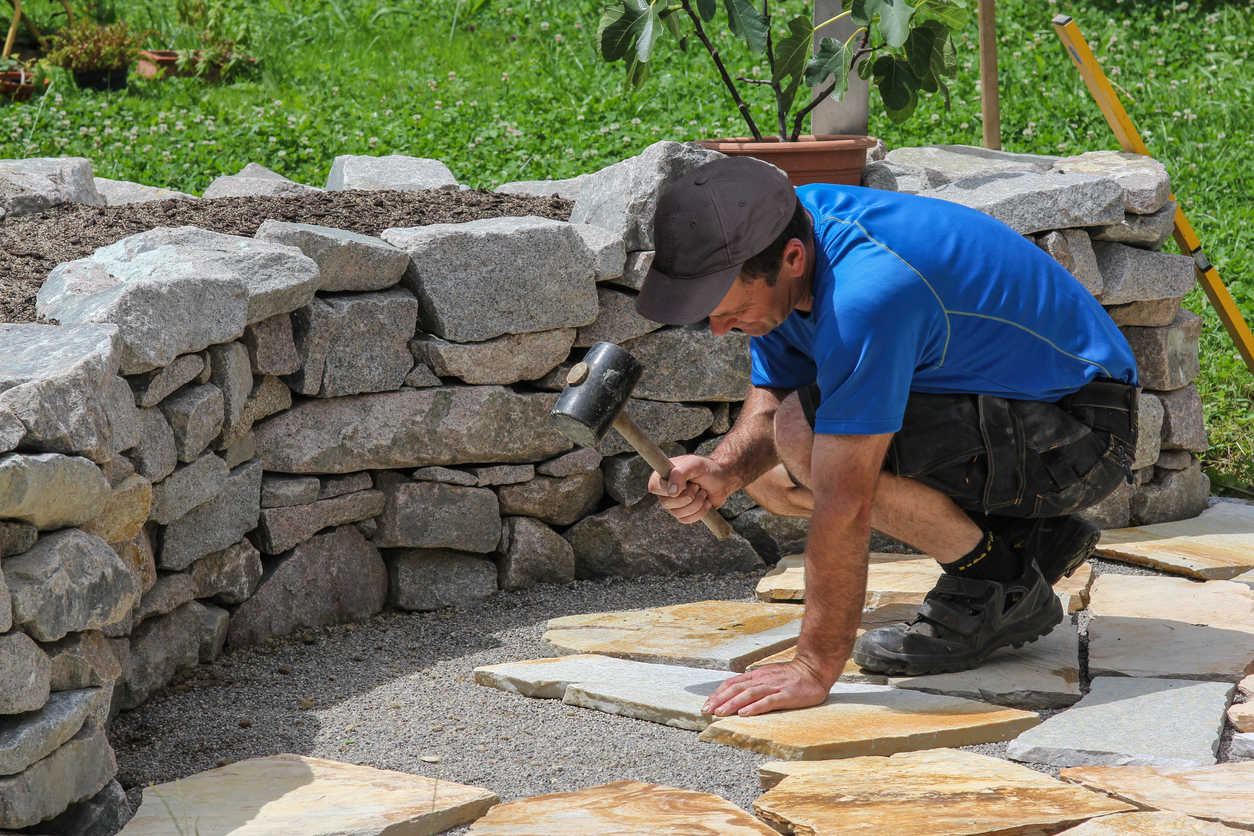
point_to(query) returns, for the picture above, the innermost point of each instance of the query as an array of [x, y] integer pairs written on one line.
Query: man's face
[[757, 308]]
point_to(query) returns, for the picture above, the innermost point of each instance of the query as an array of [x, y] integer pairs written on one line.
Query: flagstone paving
[[723, 635], [1074, 591], [549, 678], [1123, 721], [1217, 545], [623, 808], [1171, 627], [1222, 793], [290, 795], [1151, 824], [937, 792]]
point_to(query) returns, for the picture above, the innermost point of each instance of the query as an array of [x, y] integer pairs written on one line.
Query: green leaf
[[898, 86], [671, 19], [895, 21], [832, 59], [863, 11], [792, 51], [706, 9], [949, 12], [865, 68], [921, 45], [621, 22], [637, 74], [649, 32], [747, 23]]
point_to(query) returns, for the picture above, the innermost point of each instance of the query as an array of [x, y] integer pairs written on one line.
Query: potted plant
[[905, 46], [17, 79], [221, 30], [98, 56]]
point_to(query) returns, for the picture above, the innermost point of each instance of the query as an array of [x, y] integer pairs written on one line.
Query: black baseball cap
[[707, 225]]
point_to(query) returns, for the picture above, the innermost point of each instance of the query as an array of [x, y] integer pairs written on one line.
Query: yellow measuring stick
[[1130, 139]]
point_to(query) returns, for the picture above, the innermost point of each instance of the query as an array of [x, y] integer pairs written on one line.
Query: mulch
[[32, 245]]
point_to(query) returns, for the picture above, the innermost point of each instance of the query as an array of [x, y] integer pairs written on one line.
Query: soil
[[32, 245]]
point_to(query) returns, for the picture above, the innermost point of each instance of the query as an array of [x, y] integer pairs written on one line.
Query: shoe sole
[[894, 667]]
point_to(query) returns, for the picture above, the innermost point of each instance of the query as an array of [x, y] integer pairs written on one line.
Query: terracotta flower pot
[[151, 61], [812, 159], [18, 86]]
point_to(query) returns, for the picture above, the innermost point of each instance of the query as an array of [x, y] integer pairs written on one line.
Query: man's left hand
[[768, 688]]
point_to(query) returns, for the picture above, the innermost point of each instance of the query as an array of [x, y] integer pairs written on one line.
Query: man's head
[[733, 217]]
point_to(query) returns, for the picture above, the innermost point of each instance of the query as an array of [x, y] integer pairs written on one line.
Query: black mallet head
[[596, 392]]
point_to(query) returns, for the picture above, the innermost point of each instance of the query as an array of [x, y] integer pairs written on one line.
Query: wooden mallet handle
[[660, 462]]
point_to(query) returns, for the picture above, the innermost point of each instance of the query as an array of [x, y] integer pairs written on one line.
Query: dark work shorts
[[1015, 458]]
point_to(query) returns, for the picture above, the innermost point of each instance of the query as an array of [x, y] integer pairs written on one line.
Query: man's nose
[[720, 325]]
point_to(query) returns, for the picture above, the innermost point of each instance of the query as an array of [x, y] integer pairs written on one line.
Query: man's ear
[[794, 259]]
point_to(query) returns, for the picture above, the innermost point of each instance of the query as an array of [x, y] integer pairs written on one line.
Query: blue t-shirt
[[913, 293]]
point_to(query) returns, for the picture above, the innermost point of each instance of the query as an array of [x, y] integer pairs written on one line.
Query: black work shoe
[[1058, 544], [961, 622]]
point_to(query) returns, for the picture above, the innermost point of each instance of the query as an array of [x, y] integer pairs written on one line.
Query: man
[[918, 367]]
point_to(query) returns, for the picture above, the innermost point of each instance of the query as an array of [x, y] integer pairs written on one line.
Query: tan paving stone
[[1241, 716], [786, 582], [853, 672], [623, 808], [1150, 824], [850, 725], [290, 795], [1246, 686], [1171, 627], [1074, 591], [721, 635], [1223, 793], [1217, 545], [549, 678], [939, 792]]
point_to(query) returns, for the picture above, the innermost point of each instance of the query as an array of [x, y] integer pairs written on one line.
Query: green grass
[[523, 95]]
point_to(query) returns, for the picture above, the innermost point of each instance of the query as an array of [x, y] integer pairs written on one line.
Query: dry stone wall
[[231, 439]]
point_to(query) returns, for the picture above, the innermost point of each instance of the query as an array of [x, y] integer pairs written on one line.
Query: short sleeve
[[778, 364]]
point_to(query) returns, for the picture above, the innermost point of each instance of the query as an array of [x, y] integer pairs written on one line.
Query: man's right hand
[[696, 485]]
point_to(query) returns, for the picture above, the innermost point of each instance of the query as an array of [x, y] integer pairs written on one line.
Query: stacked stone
[[1104, 216]]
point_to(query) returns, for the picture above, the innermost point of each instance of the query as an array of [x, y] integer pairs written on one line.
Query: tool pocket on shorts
[[1066, 448], [937, 433], [1004, 440]]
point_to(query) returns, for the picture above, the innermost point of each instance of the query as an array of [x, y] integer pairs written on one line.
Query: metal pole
[[989, 102]]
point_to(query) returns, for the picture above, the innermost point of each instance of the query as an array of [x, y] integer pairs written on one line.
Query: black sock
[[991, 560]]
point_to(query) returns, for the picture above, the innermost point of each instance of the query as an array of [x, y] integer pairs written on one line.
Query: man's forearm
[[836, 570], [748, 451]]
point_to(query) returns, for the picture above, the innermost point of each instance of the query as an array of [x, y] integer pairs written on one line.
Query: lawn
[[513, 89]]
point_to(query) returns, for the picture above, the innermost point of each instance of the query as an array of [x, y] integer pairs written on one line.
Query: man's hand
[[696, 485], [769, 688]]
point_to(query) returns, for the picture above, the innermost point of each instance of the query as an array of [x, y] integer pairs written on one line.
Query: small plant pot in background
[[812, 159], [102, 80], [152, 61], [18, 86]]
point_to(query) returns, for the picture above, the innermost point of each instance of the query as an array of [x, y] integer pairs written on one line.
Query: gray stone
[[554, 381], [421, 377], [942, 164], [1132, 722], [254, 180], [214, 632], [502, 360], [16, 537], [269, 396], [331, 579], [347, 260], [216, 524], [722, 417], [556, 501], [69, 581], [125, 193], [479, 280], [1167, 358], [420, 580], [1152, 313], [617, 322], [1149, 232], [354, 343], [627, 474], [411, 428], [125, 512], [280, 529], [159, 649], [49, 490], [117, 470], [76, 771], [1242, 745], [646, 540], [1074, 251], [623, 197], [229, 576], [577, 461], [271, 346], [195, 414], [1149, 429], [207, 371], [1173, 495], [168, 594], [174, 291], [26, 738], [104, 814], [81, 660], [334, 486], [188, 486], [661, 421], [503, 474], [737, 504], [1174, 459], [692, 364], [240, 450], [446, 475], [606, 248], [140, 562], [25, 674], [433, 515], [123, 416], [232, 375], [568, 189], [1133, 275], [55, 381], [893, 177], [1146, 186], [279, 491], [772, 536], [36, 184], [634, 270], [1029, 202], [12, 431], [532, 553], [367, 527], [155, 456], [1184, 423], [392, 173]]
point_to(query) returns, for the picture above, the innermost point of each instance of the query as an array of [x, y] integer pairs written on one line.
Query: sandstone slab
[[420, 580], [76, 770], [555, 500], [255, 180], [1149, 232], [33, 185], [1217, 545], [279, 529], [938, 792], [719, 635], [690, 363], [1222, 793], [25, 674], [1146, 186], [410, 428], [49, 490], [661, 421], [1242, 717], [291, 795], [216, 524], [1074, 591], [395, 172], [229, 576], [549, 678], [1028, 202], [617, 320], [532, 553], [1150, 824], [346, 260], [506, 359], [434, 515], [81, 660]]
